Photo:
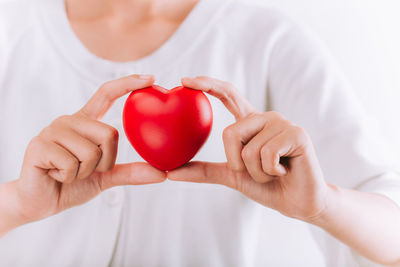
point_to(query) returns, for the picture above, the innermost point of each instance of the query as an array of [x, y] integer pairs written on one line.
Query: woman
[[53, 56]]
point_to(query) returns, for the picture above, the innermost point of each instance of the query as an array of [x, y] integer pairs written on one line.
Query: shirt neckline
[[56, 23]]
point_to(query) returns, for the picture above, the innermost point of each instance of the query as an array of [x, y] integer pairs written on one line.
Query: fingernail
[[146, 76]]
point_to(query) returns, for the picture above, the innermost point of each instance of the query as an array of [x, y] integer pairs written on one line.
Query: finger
[[102, 100], [204, 172], [46, 155], [99, 133], [251, 153], [88, 153], [136, 173], [224, 91], [290, 143], [237, 135]]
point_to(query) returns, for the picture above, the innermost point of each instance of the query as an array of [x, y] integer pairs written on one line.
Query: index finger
[[110, 91], [224, 91], [239, 134]]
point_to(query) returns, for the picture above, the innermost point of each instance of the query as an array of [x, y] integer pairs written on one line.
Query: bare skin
[[134, 29], [270, 160]]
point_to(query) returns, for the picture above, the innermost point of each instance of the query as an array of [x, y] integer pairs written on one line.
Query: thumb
[[204, 172], [137, 173]]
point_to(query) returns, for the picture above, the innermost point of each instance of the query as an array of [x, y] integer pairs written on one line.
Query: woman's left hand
[[270, 160]]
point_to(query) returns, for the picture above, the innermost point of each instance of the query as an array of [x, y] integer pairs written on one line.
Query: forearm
[[368, 223], [10, 216]]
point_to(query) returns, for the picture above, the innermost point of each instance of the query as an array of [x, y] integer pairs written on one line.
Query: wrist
[[11, 209], [326, 215]]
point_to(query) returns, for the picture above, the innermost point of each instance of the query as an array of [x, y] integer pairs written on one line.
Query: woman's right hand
[[73, 159]]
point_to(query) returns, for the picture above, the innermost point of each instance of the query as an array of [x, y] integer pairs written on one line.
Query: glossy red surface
[[167, 127]]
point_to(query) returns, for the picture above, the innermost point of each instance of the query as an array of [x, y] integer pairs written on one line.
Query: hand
[[73, 159], [270, 160]]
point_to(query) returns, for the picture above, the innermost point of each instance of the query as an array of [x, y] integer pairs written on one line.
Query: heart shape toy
[[167, 127]]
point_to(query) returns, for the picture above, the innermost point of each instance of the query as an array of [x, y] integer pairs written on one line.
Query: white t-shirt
[[45, 72]]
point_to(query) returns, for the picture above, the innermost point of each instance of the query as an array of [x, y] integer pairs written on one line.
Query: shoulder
[[256, 15], [15, 17], [267, 29], [260, 24]]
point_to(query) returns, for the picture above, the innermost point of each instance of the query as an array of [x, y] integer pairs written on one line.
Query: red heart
[[167, 128]]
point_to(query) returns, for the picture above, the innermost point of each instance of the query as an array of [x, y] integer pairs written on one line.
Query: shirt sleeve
[[306, 86]]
